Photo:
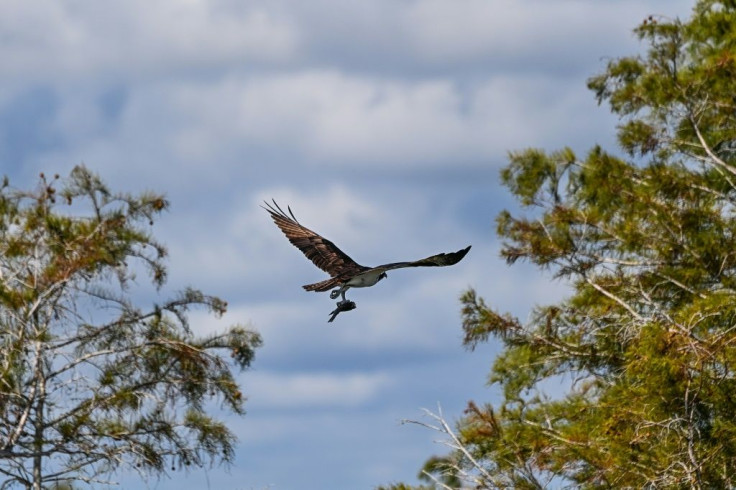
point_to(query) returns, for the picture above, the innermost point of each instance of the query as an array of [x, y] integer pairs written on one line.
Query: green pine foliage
[[90, 382], [646, 341]]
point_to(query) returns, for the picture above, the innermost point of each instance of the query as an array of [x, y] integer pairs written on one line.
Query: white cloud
[[420, 36], [65, 40], [332, 117], [329, 118], [197, 106], [294, 391], [452, 31]]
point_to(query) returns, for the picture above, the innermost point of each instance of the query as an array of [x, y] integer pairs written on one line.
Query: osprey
[[344, 272]]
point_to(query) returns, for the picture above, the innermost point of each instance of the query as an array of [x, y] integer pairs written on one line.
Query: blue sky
[[383, 124]]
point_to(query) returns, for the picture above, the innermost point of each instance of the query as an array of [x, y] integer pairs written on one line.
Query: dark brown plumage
[[322, 252]]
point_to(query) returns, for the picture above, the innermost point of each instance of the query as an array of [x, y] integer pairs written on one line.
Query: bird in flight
[[344, 272]]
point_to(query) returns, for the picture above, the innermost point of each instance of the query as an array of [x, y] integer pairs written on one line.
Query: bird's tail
[[325, 285]]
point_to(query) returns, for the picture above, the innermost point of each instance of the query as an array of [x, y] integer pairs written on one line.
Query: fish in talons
[[345, 305]]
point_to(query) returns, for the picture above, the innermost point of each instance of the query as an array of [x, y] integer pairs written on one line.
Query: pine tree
[[89, 381], [646, 241]]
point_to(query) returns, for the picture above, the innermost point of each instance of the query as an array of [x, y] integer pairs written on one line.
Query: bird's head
[[382, 276]]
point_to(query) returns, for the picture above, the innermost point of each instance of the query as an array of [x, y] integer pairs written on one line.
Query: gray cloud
[[72, 41]]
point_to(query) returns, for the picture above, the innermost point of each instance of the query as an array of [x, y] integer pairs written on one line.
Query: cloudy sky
[[382, 123]]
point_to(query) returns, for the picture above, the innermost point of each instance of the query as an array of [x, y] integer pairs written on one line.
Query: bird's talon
[[334, 294]]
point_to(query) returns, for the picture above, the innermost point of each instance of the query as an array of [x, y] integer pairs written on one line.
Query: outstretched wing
[[439, 260], [322, 252]]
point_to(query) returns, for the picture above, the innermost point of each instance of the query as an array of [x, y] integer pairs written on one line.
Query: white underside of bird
[[366, 279]]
